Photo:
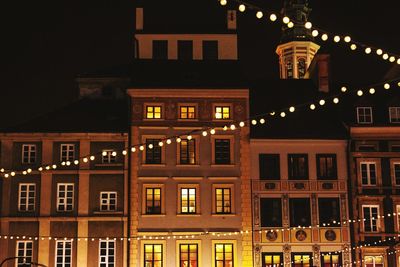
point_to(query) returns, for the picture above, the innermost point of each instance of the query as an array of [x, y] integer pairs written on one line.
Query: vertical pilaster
[[44, 243], [247, 240], [82, 246]]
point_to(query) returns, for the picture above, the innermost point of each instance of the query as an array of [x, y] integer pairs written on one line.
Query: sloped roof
[[85, 115]]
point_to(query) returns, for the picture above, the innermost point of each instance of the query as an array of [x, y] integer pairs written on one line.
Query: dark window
[[301, 67], [160, 49], [331, 260], [210, 50], [272, 259], [395, 148], [326, 166], [329, 210], [371, 213], [269, 166], [289, 70], [224, 254], [223, 200], [153, 200], [153, 155], [222, 151], [302, 260], [153, 255], [187, 151], [298, 166], [367, 148], [396, 169], [188, 254], [364, 115], [271, 212], [300, 212], [368, 173], [185, 50]]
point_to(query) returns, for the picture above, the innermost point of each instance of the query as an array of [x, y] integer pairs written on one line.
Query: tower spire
[[297, 49]]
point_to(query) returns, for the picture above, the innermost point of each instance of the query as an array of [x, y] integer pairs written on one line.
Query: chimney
[[323, 72]]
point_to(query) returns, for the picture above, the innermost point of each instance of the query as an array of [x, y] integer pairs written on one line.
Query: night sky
[[46, 44]]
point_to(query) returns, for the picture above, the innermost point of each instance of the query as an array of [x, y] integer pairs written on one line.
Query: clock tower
[[297, 49]]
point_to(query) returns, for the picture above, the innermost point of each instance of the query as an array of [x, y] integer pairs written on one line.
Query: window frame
[[188, 105], [397, 114], [58, 203], [197, 199], [180, 53], [261, 212], [395, 163], [29, 149], [224, 243], [188, 253], [368, 164], [330, 259], [318, 158], [25, 250], [292, 210], [374, 260], [222, 106], [67, 151], [27, 198], [269, 156], [153, 105], [153, 243], [302, 254], [152, 160], [231, 148], [107, 255], [209, 42], [64, 256], [108, 158], [290, 164], [193, 141], [108, 199], [163, 42], [359, 121], [377, 220], [337, 199], [149, 187]]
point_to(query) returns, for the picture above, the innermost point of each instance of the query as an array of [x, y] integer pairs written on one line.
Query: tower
[[297, 49]]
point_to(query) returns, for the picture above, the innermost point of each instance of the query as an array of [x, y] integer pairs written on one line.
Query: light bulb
[[160, 143], [133, 149], [312, 106], [290, 24], [189, 137], [315, 33], [336, 39], [392, 59], [242, 8], [336, 100], [292, 109], [169, 141], [12, 173], [347, 39], [150, 146], [360, 92], [259, 14], [385, 56], [241, 124], [324, 37], [68, 163], [254, 122], [212, 131], [322, 102], [343, 89], [283, 114], [353, 47], [372, 91], [398, 61], [262, 121], [204, 133], [92, 157], [54, 166], [225, 128], [178, 140], [85, 160], [273, 17], [233, 127], [114, 153], [368, 50], [223, 2], [386, 86], [29, 170], [141, 148], [379, 52], [308, 25], [104, 153], [24, 172], [124, 152], [76, 162], [286, 20]]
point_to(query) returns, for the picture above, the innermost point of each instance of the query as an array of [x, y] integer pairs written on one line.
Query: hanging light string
[[324, 35], [260, 119]]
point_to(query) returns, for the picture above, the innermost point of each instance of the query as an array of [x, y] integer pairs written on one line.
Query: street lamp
[[27, 264]]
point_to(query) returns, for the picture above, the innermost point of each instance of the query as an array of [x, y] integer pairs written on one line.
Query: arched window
[[289, 70], [301, 67]]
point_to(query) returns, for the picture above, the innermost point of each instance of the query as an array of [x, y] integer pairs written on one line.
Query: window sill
[[107, 212], [108, 164], [222, 165], [153, 165], [224, 215], [153, 215], [187, 165], [188, 120], [188, 215]]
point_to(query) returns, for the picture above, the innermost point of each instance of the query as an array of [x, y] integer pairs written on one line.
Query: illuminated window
[[370, 215], [332, 260], [364, 115], [298, 166], [301, 67], [223, 200], [188, 200], [368, 173], [67, 152], [222, 112], [107, 253], [26, 199], [302, 260], [153, 200], [326, 166], [187, 112], [153, 112], [108, 201], [373, 261], [396, 172], [63, 254], [289, 70], [28, 154], [153, 255], [153, 151], [187, 151], [188, 255], [272, 259], [65, 197], [108, 156], [24, 253], [222, 151], [394, 114], [223, 254]]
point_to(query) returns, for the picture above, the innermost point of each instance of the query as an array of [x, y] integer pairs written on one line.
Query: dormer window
[[301, 67], [364, 115], [394, 114], [289, 70]]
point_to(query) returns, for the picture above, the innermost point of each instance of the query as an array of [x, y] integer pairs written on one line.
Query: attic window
[[364, 115]]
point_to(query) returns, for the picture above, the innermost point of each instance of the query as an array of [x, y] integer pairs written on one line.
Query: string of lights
[[260, 119], [324, 35]]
